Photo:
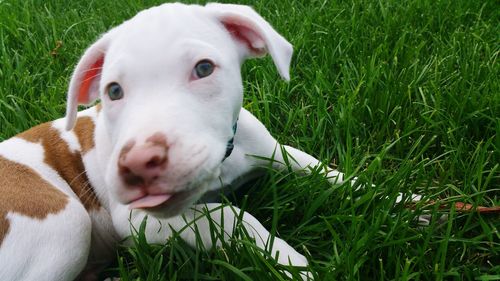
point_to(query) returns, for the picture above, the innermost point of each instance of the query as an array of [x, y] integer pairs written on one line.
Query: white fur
[[152, 56], [46, 250]]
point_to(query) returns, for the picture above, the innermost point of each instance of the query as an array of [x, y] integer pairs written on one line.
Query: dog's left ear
[[256, 37]]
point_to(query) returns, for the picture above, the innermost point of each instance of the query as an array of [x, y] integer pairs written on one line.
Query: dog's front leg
[[210, 224], [255, 146]]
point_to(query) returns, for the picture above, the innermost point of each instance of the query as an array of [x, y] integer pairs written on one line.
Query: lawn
[[404, 95]]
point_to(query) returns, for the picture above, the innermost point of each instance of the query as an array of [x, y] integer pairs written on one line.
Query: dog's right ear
[[84, 84]]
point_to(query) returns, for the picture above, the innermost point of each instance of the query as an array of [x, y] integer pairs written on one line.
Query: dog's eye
[[115, 91], [203, 68]]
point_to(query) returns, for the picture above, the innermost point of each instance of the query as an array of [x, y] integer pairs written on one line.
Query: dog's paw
[[289, 256]]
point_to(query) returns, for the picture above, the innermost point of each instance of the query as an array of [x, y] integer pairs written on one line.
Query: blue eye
[[115, 91], [204, 68]]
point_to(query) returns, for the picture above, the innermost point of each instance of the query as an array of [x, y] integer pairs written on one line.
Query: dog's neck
[[230, 143]]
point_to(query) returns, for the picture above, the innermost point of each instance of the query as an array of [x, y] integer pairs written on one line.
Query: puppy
[[169, 128]]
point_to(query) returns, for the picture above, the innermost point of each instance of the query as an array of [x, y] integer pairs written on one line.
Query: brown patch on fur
[[84, 131], [98, 107], [68, 164], [23, 191]]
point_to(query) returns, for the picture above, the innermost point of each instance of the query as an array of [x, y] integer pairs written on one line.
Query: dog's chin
[[176, 204]]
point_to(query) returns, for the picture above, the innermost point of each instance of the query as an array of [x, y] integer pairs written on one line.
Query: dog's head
[[170, 88]]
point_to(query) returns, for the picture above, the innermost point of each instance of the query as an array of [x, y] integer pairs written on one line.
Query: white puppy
[[170, 128]]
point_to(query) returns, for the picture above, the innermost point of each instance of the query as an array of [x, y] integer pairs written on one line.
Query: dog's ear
[[255, 35], [84, 84]]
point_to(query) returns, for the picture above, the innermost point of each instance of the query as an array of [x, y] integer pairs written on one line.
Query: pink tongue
[[149, 201]]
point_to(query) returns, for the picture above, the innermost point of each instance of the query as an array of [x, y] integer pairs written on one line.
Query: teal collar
[[230, 143]]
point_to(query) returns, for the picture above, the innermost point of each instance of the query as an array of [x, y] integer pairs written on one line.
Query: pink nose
[[143, 164]]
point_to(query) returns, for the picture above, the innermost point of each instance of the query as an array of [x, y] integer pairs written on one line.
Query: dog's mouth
[[160, 201], [150, 201]]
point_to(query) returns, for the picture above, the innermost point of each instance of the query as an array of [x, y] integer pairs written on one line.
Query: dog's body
[[162, 137]]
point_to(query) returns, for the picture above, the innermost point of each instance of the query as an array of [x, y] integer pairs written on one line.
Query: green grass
[[403, 94]]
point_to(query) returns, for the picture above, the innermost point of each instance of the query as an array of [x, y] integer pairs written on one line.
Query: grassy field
[[403, 94]]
